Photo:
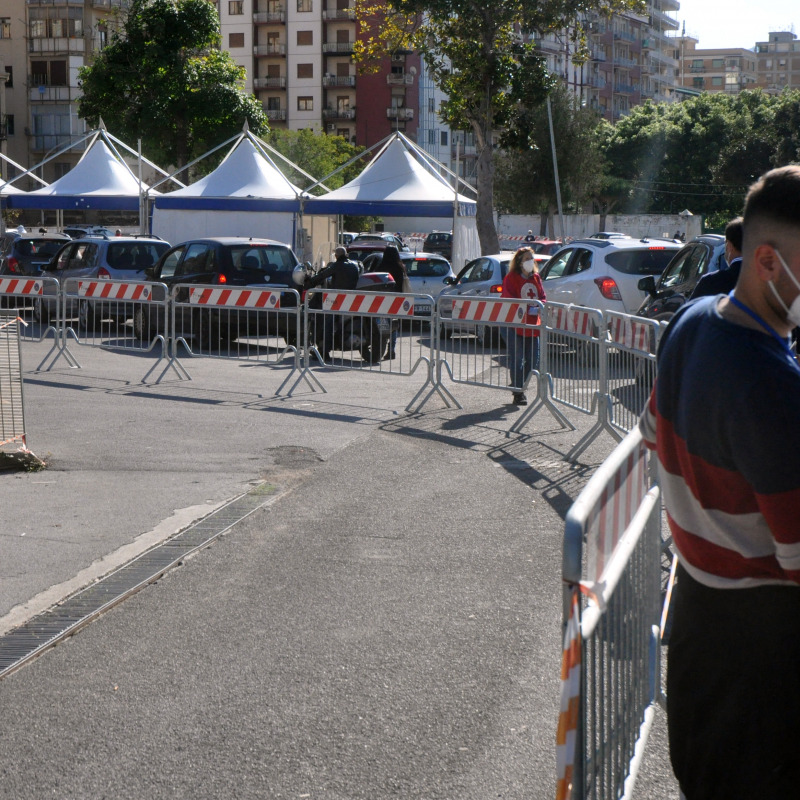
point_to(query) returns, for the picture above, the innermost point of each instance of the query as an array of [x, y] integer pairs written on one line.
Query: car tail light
[[13, 264], [608, 288], [103, 274], [496, 289], [220, 278]]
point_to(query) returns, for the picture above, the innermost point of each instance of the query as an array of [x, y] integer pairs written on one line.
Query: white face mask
[[527, 266], [793, 311]]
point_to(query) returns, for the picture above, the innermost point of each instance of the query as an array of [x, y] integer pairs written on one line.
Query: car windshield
[[640, 262], [135, 255], [275, 260], [427, 267], [39, 247]]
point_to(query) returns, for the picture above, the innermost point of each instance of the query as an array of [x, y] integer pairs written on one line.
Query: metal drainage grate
[[27, 641]]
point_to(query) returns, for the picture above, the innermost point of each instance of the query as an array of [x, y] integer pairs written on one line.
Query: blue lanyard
[[784, 343]]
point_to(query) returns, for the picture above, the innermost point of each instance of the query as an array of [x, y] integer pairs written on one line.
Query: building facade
[[778, 62], [730, 70]]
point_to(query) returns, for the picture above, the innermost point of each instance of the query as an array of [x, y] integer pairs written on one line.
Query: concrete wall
[[578, 226]]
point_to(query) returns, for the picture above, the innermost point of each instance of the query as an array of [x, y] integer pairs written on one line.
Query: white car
[[605, 273], [428, 274]]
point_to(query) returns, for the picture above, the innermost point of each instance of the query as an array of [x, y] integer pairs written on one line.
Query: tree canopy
[[476, 54], [162, 79]]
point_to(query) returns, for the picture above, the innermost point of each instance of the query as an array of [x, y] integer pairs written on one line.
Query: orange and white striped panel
[[390, 304], [570, 701], [20, 286], [113, 290], [630, 333], [571, 320], [488, 311], [262, 299]]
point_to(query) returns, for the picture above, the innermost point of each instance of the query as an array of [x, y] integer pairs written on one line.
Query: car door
[[562, 283]]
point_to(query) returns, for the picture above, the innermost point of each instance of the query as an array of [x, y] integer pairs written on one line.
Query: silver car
[[428, 273], [117, 258]]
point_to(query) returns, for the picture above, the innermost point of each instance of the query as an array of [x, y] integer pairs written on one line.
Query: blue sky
[[737, 23]]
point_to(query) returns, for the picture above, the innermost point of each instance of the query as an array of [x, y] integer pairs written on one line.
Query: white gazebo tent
[[404, 181], [246, 195]]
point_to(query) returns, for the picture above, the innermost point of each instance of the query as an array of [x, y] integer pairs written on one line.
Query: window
[[305, 103], [698, 83], [443, 138], [61, 168], [235, 40], [716, 81], [305, 38], [49, 73], [235, 7], [717, 63], [697, 63], [431, 136], [431, 105], [9, 124], [10, 78], [305, 70], [5, 28], [273, 104], [305, 5]]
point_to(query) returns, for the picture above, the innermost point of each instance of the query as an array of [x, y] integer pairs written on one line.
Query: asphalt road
[[387, 626]]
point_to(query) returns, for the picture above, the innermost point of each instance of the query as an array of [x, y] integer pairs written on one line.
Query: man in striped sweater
[[724, 419]]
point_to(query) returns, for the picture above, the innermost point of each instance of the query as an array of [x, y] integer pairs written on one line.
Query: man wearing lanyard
[[724, 420]]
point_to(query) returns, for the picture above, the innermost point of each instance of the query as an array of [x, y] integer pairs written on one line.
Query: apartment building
[[43, 44], [298, 58], [730, 70], [778, 62]]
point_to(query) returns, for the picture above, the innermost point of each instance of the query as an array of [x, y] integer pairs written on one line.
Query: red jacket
[[515, 284]]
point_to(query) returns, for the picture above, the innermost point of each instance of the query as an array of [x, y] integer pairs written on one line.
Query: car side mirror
[[647, 284], [450, 281]]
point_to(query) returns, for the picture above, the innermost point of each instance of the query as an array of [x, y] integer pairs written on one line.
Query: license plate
[[422, 309]]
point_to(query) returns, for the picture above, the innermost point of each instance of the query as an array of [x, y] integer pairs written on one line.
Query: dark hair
[[391, 257], [774, 198], [734, 231]]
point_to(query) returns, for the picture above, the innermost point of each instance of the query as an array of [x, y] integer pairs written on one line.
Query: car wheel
[[141, 324], [372, 350], [41, 312], [87, 316]]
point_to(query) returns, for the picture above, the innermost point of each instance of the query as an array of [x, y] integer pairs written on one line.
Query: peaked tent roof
[[246, 180], [397, 182], [101, 179]]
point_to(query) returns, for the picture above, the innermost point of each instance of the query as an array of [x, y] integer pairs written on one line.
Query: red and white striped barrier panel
[[113, 290], [614, 510], [236, 298], [371, 303], [566, 735], [483, 311], [572, 320], [630, 333], [24, 286]]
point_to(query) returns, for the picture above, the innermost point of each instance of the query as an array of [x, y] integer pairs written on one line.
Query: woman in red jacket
[[523, 282]]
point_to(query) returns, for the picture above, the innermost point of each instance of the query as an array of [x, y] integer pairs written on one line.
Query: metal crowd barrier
[[12, 406], [244, 323], [112, 315], [370, 331], [32, 292], [471, 345], [612, 555]]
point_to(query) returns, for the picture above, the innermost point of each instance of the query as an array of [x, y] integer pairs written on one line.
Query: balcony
[[342, 48], [269, 83], [339, 14], [339, 80], [400, 113], [276, 17], [53, 46], [399, 79], [338, 113], [270, 49], [275, 114]]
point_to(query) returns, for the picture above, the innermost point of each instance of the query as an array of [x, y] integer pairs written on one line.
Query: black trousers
[[733, 691]]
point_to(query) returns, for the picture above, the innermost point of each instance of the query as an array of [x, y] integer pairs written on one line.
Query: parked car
[[226, 261], [345, 237], [428, 274], [667, 293], [382, 238], [118, 258], [609, 235], [605, 273], [440, 242], [545, 247], [28, 253], [79, 231]]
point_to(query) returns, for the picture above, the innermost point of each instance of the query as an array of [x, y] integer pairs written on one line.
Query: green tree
[[525, 180], [477, 57], [162, 79]]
